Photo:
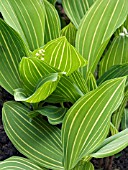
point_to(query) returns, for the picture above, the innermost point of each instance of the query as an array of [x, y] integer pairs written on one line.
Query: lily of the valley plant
[[70, 85]]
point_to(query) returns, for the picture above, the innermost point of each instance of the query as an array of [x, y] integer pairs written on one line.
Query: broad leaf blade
[[27, 18], [112, 145], [86, 123], [37, 140], [96, 28], [12, 49], [16, 163], [52, 22]]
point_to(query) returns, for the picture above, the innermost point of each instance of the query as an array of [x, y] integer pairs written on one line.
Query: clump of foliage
[[70, 86]]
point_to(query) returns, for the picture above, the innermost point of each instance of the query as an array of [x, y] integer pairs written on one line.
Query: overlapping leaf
[[16, 163], [59, 53], [37, 140], [27, 18], [116, 54], [12, 49], [84, 166], [124, 122], [52, 1], [52, 22], [86, 123], [96, 28], [112, 145], [76, 9]]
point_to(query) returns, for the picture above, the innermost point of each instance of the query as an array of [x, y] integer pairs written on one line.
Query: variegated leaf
[[84, 166], [86, 124], [37, 140], [96, 28], [27, 18], [124, 121]]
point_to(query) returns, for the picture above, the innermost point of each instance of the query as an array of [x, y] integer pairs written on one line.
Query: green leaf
[[116, 54], [112, 145], [114, 72], [52, 1], [27, 18], [70, 33], [59, 53], [37, 140], [76, 9], [124, 122], [126, 23], [55, 114], [86, 124], [96, 28], [84, 166], [12, 49], [52, 22], [17, 163], [91, 82], [44, 88]]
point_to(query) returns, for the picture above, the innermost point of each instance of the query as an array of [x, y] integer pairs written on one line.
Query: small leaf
[[37, 140], [16, 162], [86, 124], [112, 145], [27, 18]]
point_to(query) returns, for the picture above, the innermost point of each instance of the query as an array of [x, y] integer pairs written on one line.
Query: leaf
[[91, 82], [112, 145], [86, 123], [44, 88], [59, 53], [55, 114], [27, 18], [97, 27], [52, 1], [116, 54], [52, 22], [84, 166], [76, 9], [12, 49], [114, 72], [124, 121], [37, 140], [17, 162], [70, 33]]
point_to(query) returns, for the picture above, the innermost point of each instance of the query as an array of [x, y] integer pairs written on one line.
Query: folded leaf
[[37, 140], [86, 123], [52, 22], [112, 145], [12, 49], [59, 53], [96, 28], [27, 18], [16, 163]]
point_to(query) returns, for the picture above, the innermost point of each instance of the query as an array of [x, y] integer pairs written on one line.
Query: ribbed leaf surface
[[96, 28], [86, 123], [27, 18], [70, 33], [124, 122], [52, 22], [43, 89], [76, 9], [37, 140], [116, 54], [17, 163], [12, 49], [84, 166], [112, 145], [60, 54]]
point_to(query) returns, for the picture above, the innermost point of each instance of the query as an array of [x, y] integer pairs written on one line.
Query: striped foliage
[[114, 72], [52, 22], [12, 49], [54, 114], [43, 89], [96, 28], [112, 145], [70, 33], [124, 121], [116, 54], [91, 82], [84, 166], [60, 54], [17, 163], [37, 140], [27, 18], [76, 9], [113, 129], [86, 123]]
